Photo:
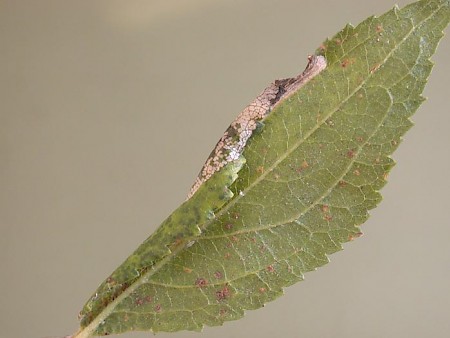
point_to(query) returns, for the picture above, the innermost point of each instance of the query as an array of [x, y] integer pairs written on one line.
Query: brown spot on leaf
[[359, 139], [379, 28], [260, 170], [228, 226], [351, 153], [234, 238], [375, 68], [345, 63], [158, 308], [227, 255], [223, 294], [177, 242], [325, 208], [356, 172], [139, 301], [338, 41], [270, 268], [354, 236], [236, 215], [342, 183], [328, 218], [218, 274], [201, 282], [262, 290]]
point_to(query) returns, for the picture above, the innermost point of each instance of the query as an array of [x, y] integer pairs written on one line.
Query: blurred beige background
[[108, 110]]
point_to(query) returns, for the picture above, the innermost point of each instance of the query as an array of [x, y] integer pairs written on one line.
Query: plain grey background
[[108, 110]]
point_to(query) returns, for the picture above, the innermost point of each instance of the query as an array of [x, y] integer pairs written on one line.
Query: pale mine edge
[[232, 143]]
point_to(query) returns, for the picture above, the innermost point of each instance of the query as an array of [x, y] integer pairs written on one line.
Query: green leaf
[[311, 175]]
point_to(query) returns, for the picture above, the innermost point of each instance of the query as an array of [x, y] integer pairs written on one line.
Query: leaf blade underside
[[311, 176]]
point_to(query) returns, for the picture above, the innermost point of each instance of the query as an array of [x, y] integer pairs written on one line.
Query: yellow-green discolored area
[[310, 177]]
